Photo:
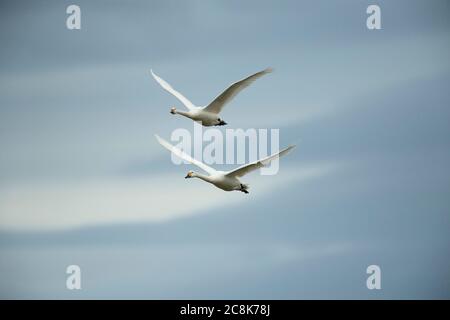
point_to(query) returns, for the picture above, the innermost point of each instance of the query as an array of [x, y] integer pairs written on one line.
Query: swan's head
[[173, 110], [190, 174], [220, 122]]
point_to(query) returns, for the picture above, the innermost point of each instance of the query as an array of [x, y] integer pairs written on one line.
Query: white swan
[[225, 180], [209, 115]]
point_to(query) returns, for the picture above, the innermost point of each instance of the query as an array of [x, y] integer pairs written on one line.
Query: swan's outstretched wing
[[226, 96], [184, 156], [171, 90], [243, 170]]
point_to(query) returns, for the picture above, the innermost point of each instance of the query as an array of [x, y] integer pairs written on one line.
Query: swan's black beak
[[222, 123], [187, 176]]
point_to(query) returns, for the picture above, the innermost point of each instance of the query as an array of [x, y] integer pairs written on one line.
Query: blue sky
[[83, 181]]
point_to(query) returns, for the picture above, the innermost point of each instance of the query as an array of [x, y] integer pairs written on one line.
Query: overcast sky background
[[83, 181]]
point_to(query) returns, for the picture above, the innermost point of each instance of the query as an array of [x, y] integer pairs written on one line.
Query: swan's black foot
[[243, 189]]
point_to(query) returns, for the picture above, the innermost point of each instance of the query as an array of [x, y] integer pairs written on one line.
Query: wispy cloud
[[45, 206]]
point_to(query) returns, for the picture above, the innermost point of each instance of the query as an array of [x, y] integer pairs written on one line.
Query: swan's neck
[[203, 177], [183, 113]]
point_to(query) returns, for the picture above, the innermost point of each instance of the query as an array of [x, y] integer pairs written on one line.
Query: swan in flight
[[225, 180], [209, 115]]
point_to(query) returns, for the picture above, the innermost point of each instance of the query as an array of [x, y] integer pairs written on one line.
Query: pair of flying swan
[[209, 116]]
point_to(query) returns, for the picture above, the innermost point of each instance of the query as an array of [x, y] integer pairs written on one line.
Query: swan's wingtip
[[289, 148], [152, 73], [268, 70]]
